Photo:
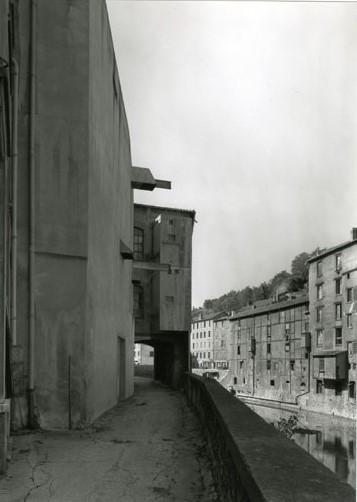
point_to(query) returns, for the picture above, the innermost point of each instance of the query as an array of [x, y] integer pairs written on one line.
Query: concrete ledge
[[252, 461]]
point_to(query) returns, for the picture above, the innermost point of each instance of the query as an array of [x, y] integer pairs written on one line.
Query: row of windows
[[338, 265], [202, 355], [201, 335], [351, 293], [201, 345], [201, 324]]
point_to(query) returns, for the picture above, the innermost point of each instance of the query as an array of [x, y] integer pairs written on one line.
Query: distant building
[[162, 286], [143, 354], [221, 342], [268, 356], [201, 344], [333, 324]]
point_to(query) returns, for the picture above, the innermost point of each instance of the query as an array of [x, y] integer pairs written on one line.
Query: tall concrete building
[[201, 342], [66, 218], [162, 286], [333, 309]]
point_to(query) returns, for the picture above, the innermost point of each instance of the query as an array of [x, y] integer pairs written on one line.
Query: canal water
[[331, 440]]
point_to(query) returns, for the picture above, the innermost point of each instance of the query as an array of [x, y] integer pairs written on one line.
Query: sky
[[250, 109]]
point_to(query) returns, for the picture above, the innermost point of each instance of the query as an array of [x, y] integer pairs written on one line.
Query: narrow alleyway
[[147, 449]]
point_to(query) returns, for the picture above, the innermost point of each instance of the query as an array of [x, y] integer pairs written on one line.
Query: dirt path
[[147, 449]]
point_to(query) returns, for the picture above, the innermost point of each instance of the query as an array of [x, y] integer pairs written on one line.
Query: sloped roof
[[272, 307], [332, 250]]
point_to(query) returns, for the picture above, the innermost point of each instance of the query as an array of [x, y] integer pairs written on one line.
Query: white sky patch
[[250, 109]]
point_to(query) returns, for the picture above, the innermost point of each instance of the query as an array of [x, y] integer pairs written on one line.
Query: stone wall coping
[[274, 468]]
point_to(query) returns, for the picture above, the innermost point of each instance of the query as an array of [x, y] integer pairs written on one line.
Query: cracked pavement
[[149, 448]]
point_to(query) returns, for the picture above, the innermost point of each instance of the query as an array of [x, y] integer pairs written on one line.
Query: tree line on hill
[[294, 280]]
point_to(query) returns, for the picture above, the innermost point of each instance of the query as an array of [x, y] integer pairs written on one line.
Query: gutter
[[15, 73], [31, 361]]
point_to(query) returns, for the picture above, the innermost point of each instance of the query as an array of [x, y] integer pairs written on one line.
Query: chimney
[[354, 233]]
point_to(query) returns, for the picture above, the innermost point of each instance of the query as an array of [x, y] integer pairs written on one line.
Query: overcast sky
[[250, 109]]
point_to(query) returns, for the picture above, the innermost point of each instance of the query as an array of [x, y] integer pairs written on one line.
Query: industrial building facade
[[302, 350], [67, 324], [162, 287]]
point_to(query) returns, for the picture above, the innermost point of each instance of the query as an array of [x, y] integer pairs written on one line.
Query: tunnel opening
[[144, 357]]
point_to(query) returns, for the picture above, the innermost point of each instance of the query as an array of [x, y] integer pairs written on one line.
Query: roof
[[332, 250], [272, 307], [190, 212], [208, 317], [330, 353]]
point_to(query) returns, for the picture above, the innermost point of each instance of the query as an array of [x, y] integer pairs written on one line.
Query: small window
[[269, 331], [138, 250], [319, 337], [321, 364], [318, 314], [268, 364], [319, 387], [319, 291], [338, 286], [272, 383], [138, 306], [338, 311], [151, 353], [241, 364], [338, 336], [352, 390], [238, 350], [209, 355], [234, 380], [349, 293], [349, 320], [319, 268], [268, 348], [292, 364], [338, 262], [244, 380]]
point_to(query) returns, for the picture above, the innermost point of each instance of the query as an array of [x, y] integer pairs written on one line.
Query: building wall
[[334, 396], [278, 368], [201, 343], [83, 208], [221, 343]]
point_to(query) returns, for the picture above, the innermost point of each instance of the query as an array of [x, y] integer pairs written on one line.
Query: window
[[209, 355], [338, 286], [352, 390], [268, 331], [319, 314], [319, 291], [319, 387], [272, 383], [138, 243], [209, 334], [268, 348], [234, 380], [151, 353], [282, 316], [321, 365], [319, 337], [319, 268], [349, 296], [338, 262], [238, 350], [292, 364], [268, 364], [241, 364], [338, 311], [222, 343], [349, 320], [138, 301], [338, 336]]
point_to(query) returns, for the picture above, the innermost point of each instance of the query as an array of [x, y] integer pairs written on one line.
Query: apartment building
[[333, 324], [202, 336], [269, 355]]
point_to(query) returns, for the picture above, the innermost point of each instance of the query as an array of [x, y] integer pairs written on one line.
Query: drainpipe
[[15, 73], [31, 346], [308, 383]]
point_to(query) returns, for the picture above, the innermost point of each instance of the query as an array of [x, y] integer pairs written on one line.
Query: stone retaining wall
[[252, 462]]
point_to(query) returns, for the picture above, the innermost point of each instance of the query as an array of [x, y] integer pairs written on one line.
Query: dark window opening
[[319, 387], [352, 390], [235, 380], [138, 243], [272, 383]]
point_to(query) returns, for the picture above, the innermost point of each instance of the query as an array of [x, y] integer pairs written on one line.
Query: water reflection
[[331, 440]]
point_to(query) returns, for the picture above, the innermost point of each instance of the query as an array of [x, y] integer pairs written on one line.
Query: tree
[[300, 270]]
